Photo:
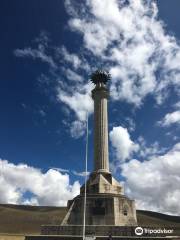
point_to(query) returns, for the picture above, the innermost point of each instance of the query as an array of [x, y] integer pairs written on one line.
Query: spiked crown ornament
[[100, 77]]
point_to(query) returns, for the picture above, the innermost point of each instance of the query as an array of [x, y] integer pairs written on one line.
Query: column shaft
[[101, 153]]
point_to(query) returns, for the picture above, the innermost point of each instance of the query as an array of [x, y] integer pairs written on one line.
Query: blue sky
[[48, 51]]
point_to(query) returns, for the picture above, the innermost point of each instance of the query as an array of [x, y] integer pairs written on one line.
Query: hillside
[[154, 219], [16, 219], [28, 219]]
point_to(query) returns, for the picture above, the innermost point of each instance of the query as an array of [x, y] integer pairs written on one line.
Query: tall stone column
[[100, 96], [106, 205]]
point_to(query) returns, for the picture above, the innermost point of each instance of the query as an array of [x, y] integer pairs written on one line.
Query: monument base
[[77, 230], [106, 204], [73, 232]]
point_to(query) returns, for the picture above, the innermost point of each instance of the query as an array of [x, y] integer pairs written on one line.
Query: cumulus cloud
[[49, 188], [170, 118], [121, 141], [155, 183]]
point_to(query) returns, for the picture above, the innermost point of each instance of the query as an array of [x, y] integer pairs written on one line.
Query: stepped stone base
[[106, 204], [102, 209], [108, 211]]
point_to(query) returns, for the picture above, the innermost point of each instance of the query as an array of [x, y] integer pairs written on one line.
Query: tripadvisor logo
[[138, 231]]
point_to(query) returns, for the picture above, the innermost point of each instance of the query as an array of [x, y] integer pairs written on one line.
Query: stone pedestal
[[105, 204]]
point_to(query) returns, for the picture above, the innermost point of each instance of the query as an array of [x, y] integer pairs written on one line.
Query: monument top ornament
[[100, 76]]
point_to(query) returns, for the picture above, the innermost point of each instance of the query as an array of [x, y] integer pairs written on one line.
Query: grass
[[154, 219], [11, 237], [25, 220]]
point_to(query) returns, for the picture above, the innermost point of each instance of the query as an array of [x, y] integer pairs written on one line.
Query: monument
[[108, 210], [106, 202]]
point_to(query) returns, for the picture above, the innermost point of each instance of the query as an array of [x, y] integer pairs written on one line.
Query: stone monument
[[108, 210], [106, 203]]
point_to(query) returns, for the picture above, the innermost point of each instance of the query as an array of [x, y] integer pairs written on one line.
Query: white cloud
[[131, 124], [49, 188], [80, 174], [60, 170], [42, 112], [177, 105], [122, 143], [77, 129], [125, 37], [170, 118], [146, 151], [79, 101], [71, 75], [36, 54], [76, 95], [71, 57], [129, 39], [40, 52], [155, 183]]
